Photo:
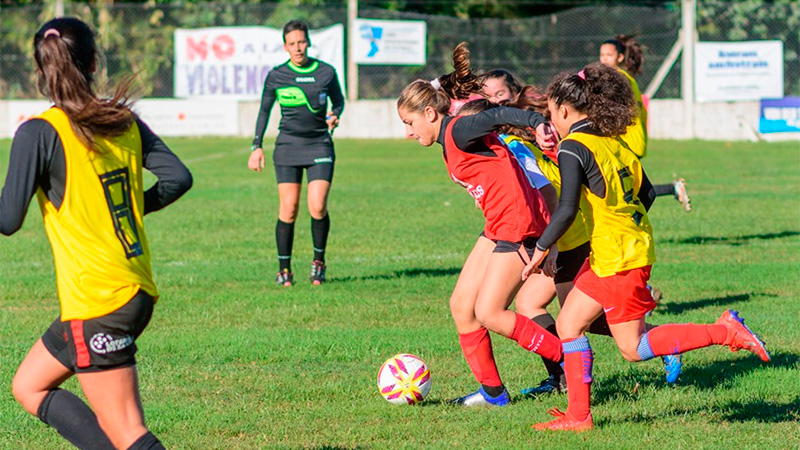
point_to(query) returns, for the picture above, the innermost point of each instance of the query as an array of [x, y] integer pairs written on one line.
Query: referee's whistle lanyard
[[523, 254]]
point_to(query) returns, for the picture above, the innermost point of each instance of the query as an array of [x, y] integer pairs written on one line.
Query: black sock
[[546, 321], [73, 420], [147, 442], [493, 391], [319, 232], [664, 189], [284, 236]]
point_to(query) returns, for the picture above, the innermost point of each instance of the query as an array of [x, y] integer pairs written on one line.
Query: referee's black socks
[[284, 237], [73, 420], [319, 233], [147, 442]]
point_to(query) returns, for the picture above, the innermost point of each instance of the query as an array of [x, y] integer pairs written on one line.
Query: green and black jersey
[[302, 93]]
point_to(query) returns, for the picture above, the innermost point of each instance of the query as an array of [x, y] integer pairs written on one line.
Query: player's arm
[[30, 152], [471, 129], [573, 177], [336, 96], [174, 179]]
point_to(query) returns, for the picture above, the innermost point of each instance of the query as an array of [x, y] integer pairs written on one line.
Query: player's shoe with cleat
[[681, 194], [550, 385], [565, 422], [655, 293], [481, 398], [740, 337], [317, 272], [673, 365], [284, 278]]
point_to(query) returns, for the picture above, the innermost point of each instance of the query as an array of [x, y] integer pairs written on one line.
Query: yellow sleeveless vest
[[636, 134], [100, 249], [577, 234], [621, 236]]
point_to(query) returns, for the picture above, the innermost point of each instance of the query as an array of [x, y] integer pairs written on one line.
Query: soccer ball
[[404, 379]]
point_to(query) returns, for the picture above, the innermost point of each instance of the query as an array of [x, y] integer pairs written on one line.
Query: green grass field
[[232, 362]]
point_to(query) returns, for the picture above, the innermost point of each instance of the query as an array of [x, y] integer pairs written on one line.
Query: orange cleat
[[740, 337], [565, 422]]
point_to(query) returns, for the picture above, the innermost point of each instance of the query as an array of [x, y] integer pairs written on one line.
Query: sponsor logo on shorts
[[102, 343], [326, 159]]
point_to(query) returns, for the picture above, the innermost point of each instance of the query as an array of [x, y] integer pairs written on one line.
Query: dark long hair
[[66, 55], [633, 51], [600, 92], [462, 81]]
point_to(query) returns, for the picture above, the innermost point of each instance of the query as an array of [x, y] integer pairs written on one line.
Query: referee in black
[[302, 86]]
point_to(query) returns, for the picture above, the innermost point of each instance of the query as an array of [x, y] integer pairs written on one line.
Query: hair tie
[[436, 84], [52, 32], [582, 75]]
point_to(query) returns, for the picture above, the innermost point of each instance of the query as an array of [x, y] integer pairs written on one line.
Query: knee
[[630, 352], [567, 330], [461, 310], [26, 396], [487, 317], [288, 212], [317, 211]]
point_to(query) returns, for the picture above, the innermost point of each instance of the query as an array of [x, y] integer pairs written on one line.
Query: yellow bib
[[621, 235], [636, 135], [577, 234], [100, 249]]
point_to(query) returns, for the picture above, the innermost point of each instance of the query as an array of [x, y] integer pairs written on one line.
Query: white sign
[[396, 42], [731, 71], [20, 111], [233, 62], [190, 117]]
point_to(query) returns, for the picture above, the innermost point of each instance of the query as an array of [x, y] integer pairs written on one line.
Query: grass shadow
[[405, 273], [763, 411], [679, 308], [732, 240]]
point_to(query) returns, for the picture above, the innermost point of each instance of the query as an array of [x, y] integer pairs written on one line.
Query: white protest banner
[[395, 42], [733, 71], [233, 62]]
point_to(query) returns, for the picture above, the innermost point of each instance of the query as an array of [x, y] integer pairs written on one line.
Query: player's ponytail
[[66, 56], [462, 81], [600, 92], [632, 51], [420, 94]]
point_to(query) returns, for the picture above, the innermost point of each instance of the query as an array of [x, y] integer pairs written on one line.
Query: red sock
[[578, 370], [532, 337], [676, 338], [477, 348]]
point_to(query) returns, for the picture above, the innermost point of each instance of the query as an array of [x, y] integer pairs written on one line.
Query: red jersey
[[513, 209]]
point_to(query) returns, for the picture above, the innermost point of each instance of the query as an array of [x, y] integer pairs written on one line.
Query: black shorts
[[529, 244], [294, 174], [569, 262], [102, 343]]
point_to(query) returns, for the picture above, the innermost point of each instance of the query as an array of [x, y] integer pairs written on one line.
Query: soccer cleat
[[740, 337], [565, 422], [550, 385], [317, 272], [673, 365], [655, 293], [481, 398], [681, 194], [284, 278]]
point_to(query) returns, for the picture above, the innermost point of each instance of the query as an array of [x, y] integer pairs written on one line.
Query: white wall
[[378, 119]]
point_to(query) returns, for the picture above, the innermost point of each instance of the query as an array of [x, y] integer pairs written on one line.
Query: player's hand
[[533, 265], [333, 121], [549, 267], [256, 161], [545, 138]]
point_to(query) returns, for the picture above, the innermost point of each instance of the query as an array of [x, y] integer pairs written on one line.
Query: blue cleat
[[481, 398], [550, 385], [673, 365]]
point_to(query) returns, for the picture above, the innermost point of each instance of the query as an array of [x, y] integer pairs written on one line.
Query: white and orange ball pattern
[[404, 379]]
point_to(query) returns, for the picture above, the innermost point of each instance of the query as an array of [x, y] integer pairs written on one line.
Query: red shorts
[[624, 295]]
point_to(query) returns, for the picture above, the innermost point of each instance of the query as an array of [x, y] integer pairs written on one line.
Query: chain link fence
[[138, 38]]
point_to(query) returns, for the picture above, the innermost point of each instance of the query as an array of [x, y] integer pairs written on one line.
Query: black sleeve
[[647, 193], [471, 129], [267, 100], [335, 94], [27, 165], [174, 179], [573, 177]]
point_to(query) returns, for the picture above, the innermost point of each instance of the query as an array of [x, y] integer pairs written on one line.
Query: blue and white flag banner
[[233, 62], [389, 42], [737, 71], [780, 116]]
